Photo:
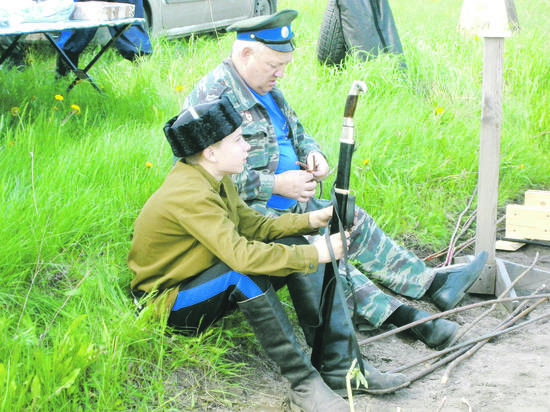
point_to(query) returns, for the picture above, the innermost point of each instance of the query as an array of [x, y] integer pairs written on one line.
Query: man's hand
[[320, 218], [337, 247], [318, 165], [295, 184]]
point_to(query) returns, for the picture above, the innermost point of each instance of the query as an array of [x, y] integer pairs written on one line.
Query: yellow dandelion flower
[[522, 166], [76, 108], [439, 110], [476, 37], [366, 162], [59, 97], [15, 111], [148, 165], [179, 88]]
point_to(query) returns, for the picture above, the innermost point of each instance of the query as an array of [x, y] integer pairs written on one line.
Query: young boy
[[201, 249]]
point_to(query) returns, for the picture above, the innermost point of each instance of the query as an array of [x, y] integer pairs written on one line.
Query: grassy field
[[76, 169]]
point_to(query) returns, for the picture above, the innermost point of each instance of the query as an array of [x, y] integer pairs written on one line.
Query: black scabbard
[[342, 219]]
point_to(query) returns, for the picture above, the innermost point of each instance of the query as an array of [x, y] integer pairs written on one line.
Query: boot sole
[[441, 345], [447, 341], [344, 393], [460, 295]]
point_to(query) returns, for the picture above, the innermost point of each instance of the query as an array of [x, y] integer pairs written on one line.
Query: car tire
[[148, 24], [331, 45], [265, 7]]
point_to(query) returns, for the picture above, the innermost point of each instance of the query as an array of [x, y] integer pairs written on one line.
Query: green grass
[[72, 186]]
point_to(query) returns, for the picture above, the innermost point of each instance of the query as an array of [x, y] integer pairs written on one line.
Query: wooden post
[[489, 159], [493, 20]]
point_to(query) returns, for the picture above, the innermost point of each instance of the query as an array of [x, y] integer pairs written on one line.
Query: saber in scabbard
[[342, 217], [347, 145]]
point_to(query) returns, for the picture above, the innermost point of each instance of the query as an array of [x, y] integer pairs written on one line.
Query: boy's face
[[231, 153], [263, 67]]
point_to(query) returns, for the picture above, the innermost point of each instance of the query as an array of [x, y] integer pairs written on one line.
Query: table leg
[[84, 72], [80, 74], [10, 48]]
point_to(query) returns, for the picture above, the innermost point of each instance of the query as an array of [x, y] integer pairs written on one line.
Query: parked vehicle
[[177, 18]]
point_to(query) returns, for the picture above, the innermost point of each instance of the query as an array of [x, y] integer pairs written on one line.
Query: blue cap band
[[277, 35]]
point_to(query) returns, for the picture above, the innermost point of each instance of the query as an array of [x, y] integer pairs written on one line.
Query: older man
[[273, 183]]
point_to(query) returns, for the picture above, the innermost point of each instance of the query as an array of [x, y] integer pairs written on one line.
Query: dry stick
[[443, 251], [442, 404], [449, 312], [478, 346], [493, 307], [464, 400], [457, 226], [463, 348], [63, 305], [452, 252], [462, 245], [524, 303]]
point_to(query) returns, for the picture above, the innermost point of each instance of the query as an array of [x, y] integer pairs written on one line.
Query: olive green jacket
[[194, 221]]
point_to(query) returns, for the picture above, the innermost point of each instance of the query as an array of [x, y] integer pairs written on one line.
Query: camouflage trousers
[[382, 259]]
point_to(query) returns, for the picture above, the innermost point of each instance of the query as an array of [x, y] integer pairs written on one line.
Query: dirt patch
[[511, 373]]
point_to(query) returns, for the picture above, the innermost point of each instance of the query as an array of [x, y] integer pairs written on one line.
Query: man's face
[[231, 153], [263, 67]]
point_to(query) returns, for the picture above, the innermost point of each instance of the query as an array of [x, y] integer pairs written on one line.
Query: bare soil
[[510, 373]]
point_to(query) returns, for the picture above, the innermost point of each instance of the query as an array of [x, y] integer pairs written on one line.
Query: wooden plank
[[528, 222], [507, 246], [537, 198]]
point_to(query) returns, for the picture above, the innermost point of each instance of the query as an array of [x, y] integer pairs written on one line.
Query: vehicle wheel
[[265, 7], [331, 45], [148, 24]]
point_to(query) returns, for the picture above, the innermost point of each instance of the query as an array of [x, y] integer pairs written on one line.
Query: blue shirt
[[287, 154]]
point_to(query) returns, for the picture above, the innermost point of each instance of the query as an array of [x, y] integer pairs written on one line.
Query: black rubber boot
[[338, 353], [274, 332], [449, 287], [436, 333]]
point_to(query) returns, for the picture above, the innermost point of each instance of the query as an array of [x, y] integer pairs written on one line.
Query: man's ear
[[246, 53]]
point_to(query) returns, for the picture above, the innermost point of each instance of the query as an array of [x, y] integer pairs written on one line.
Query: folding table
[[22, 29]]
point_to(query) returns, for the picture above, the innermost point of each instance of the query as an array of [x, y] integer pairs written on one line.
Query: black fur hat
[[200, 126]]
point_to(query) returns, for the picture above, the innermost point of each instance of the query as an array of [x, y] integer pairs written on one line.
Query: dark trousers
[[213, 293], [132, 43]]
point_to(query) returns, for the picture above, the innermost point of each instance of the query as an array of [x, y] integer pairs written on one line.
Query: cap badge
[[284, 32]]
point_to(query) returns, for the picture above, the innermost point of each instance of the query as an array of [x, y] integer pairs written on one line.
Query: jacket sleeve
[[206, 219], [254, 225], [254, 184]]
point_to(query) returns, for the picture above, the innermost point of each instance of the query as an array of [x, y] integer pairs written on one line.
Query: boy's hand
[[320, 218], [337, 247]]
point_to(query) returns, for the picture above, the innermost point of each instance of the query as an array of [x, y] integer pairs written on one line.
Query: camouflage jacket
[[255, 183]]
